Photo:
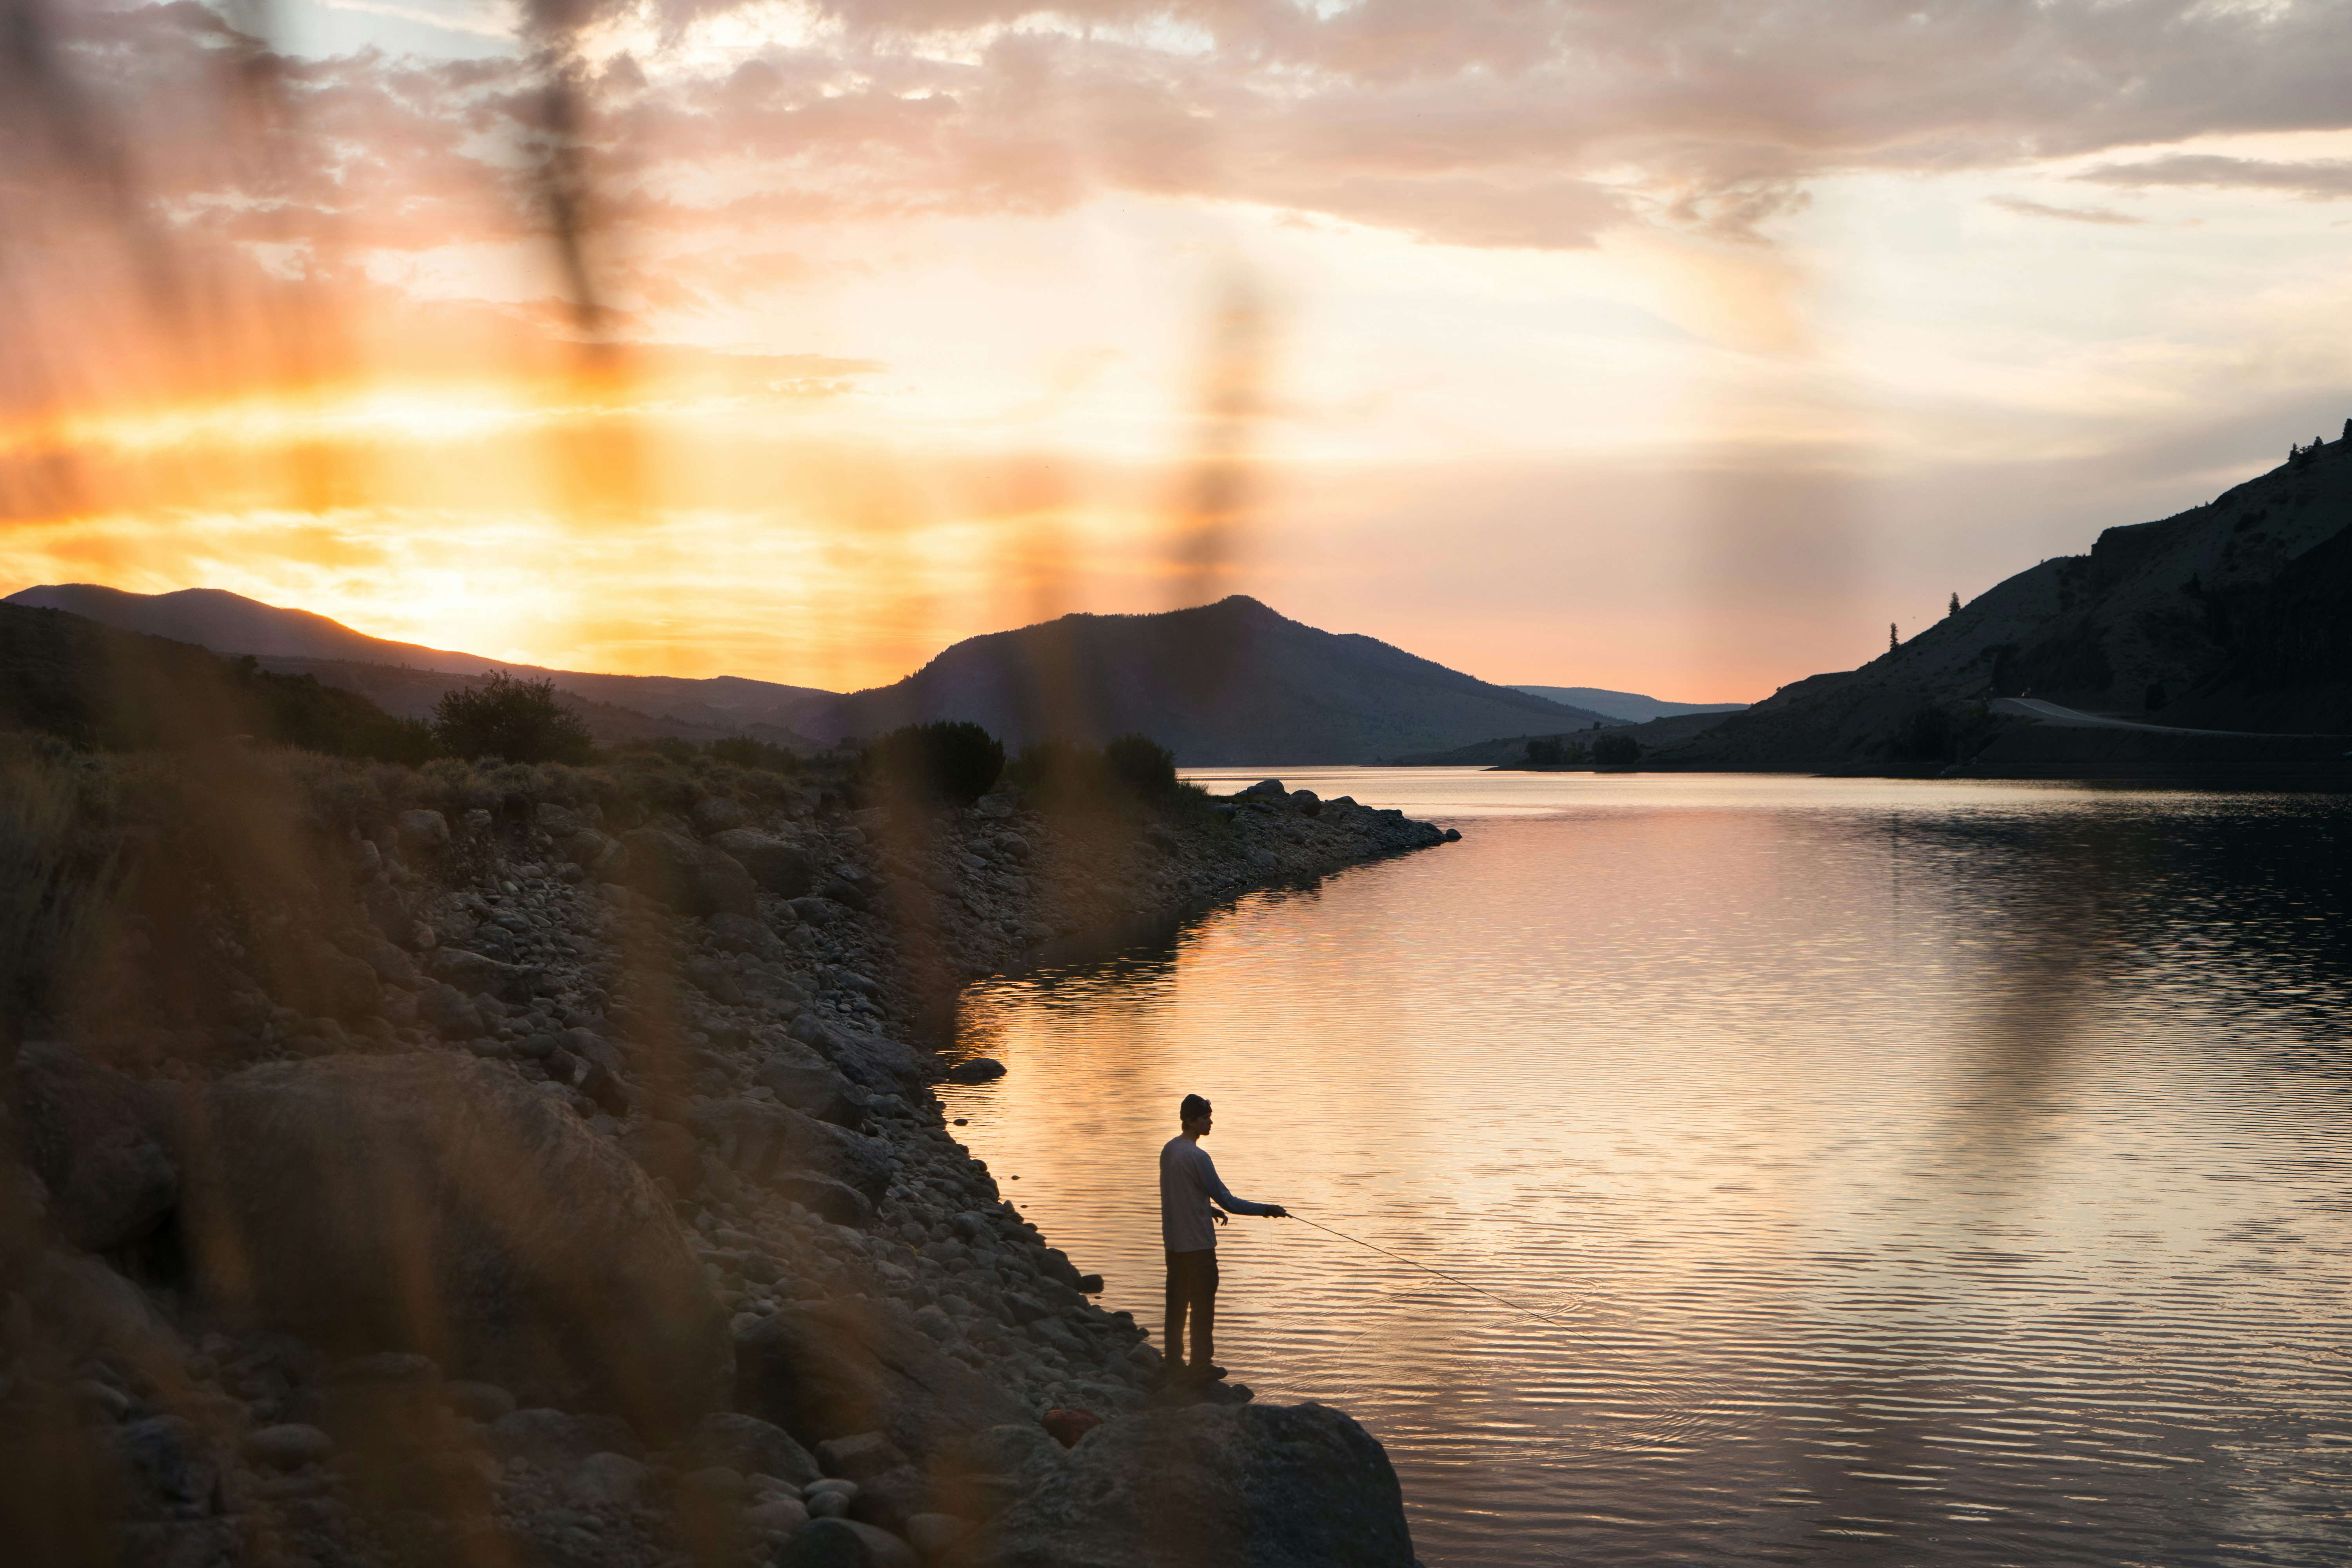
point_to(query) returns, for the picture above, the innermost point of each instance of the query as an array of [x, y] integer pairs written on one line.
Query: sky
[[1662, 346]]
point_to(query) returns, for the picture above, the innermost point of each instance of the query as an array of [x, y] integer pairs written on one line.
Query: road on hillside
[[2069, 718]]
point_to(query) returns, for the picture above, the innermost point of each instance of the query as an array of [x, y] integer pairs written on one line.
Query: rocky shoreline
[[574, 1193]]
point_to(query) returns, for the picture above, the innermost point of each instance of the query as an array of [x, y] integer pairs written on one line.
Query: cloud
[[2320, 180], [2024, 207]]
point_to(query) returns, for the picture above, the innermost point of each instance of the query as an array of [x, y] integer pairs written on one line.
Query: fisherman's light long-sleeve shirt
[[1189, 1183]]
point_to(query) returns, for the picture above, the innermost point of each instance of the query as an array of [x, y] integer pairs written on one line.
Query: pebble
[[289, 1447]]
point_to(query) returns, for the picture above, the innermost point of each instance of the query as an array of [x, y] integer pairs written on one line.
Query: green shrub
[[519, 720], [1142, 764], [53, 880], [743, 752], [948, 762], [1616, 751]]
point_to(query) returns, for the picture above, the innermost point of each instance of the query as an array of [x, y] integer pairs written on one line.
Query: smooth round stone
[[289, 1446]]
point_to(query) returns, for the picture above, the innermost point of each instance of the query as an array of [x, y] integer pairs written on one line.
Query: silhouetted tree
[[1616, 751], [1892, 640], [1543, 753], [2156, 695], [516, 721], [1955, 605], [949, 762], [1142, 764]]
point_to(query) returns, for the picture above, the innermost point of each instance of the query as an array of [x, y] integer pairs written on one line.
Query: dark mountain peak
[[1229, 682]]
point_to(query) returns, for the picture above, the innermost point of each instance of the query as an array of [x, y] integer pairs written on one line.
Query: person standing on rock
[[1188, 1187]]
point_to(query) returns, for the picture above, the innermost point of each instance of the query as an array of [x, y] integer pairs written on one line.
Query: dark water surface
[[1920, 1173]]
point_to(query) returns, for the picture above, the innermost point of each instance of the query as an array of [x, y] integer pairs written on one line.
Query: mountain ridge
[[1232, 682], [2233, 616]]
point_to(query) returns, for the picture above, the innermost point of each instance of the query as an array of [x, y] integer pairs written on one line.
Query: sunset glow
[[1578, 352]]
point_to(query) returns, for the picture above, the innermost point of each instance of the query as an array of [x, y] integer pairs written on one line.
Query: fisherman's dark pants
[[1191, 1283]]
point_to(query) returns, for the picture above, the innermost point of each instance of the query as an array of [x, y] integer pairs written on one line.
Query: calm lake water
[[1910, 1172]]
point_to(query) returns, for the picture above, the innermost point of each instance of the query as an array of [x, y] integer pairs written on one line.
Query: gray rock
[[747, 1444], [99, 1142], [892, 1498], [1021, 1448], [422, 832], [995, 807], [847, 891], [836, 1368], [976, 1069], [715, 814], [769, 1143], [859, 1457], [560, 1440], [870, 1060], [289, 1447], [932, 1534], [778, 867], [777, 1516], [483, 1402], [559, 821], [474, 975], [844, 1543], [806, 1082], [742, 934], [167, 1466], [835, 1201], [827, 1504], [1264, 789], [606, 1480], [817, 911], [392, 966], [431, 1200], [1250, 1486], [445, 1007], [690, 877], [600, 854]]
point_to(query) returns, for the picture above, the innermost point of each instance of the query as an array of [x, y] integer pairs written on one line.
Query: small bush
[[519, 720], [948, 762], [1142, 764], [743, 752], [1616, 751], [1544, 753]]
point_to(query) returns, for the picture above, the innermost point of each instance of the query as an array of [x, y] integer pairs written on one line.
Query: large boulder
[[873, 1061], [778, 867], [835, 1369], [475, 974], [808, 1083], [772, 1144], [436, 1203], [99, 1142], [1249, 1485], [746, 1444], [690, 877]]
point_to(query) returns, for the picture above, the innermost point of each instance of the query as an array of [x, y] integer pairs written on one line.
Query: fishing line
[[1451, 1279]]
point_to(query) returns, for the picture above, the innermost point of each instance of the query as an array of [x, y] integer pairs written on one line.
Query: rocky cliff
[[525, 1166], [2233, 616]]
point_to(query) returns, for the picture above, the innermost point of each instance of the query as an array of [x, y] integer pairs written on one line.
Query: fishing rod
[[1546, 1318]]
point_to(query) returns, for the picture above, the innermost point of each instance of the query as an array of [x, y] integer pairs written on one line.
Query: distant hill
[[1625, 707], [407, 679], [2233, 616], [96, 685], [1511, 751], [1232, 682]]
